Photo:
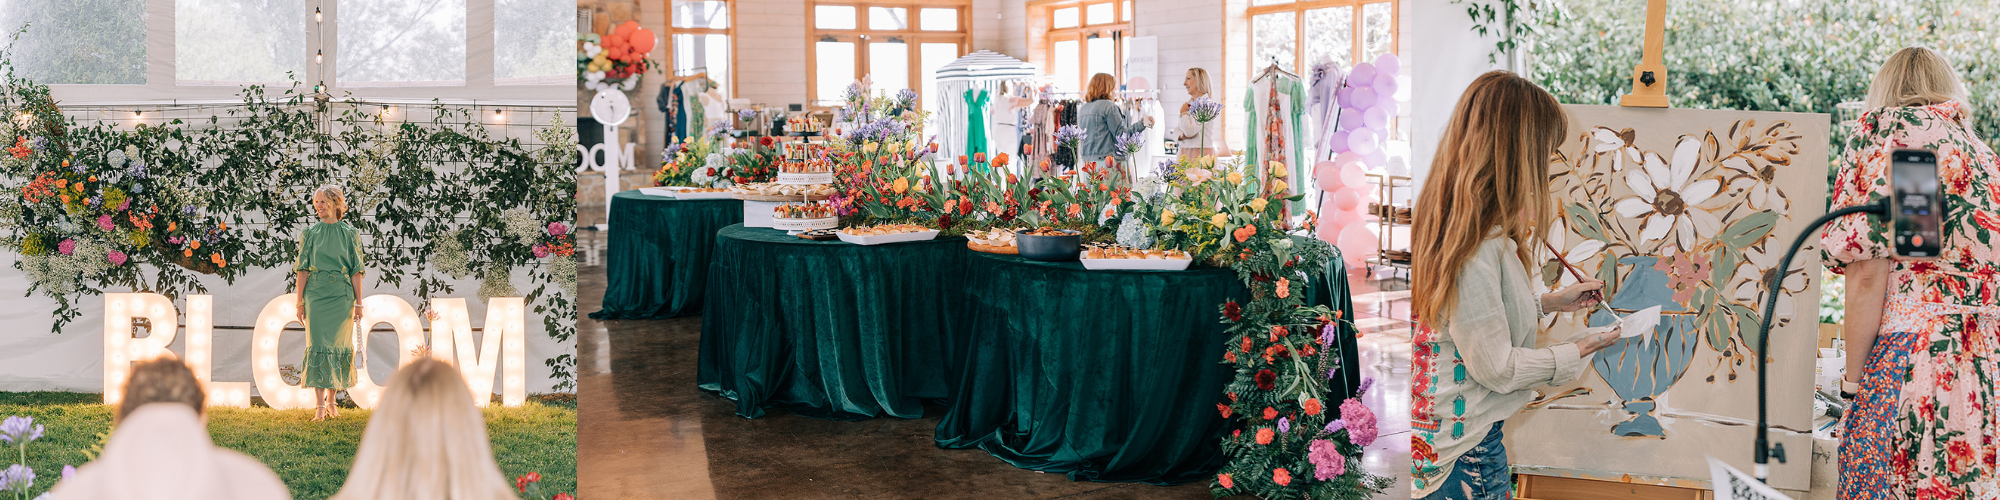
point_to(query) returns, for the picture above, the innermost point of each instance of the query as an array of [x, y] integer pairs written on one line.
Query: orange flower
[[1270, 413], [1284, 288], [993, 208], [1244, 233], [197, 245], [979, 157], [951, 205], [65, 198], [961, 159], [1224, 408], [1102, 187], [187, 253], [1074, 210], [225, 226], [1246, 343], [1264, 435], [1000, 159], [170, 225], [1312, 406], [902, 184], [1278, 332], [1011, 178], [1225, 481], [1282, 477], [62, 183]]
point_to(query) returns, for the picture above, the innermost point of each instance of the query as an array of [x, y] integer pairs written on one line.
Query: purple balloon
[[1377, 159], [1375, 118], [1362, 75], [1338, 141], [1363, 98], [1344, 97], [1385, 84], [1361, 141], [1388, 64], [1384, 99], [1350, 120]]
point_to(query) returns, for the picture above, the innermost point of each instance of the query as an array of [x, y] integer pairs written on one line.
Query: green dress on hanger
[[331, 255], [975, 126]]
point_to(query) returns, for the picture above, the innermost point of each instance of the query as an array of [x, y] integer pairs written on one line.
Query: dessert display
[[996, 240], [1123, 257], [886, 233], [800, 151], [805, 172], [773, 191], [694, 193], [804, 216], [797, 124]]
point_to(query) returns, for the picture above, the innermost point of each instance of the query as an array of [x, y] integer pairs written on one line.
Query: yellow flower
[[1235, 177], [1278, 186], [869, 147], [902, 184], [1277, 168], [1167, 218], [1258, 204], [1219, 220]]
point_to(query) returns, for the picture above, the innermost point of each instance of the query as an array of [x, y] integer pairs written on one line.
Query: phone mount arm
[[1765, 448]]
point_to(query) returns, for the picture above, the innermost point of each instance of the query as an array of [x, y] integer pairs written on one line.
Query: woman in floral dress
[[1921, 362]]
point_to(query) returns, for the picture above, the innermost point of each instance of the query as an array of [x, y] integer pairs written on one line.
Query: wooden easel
[[1649, 79]]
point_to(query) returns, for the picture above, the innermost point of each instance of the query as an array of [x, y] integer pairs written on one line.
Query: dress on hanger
[[975, 130], [1283, 97]]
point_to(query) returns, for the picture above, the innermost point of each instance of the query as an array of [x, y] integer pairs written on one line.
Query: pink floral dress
[[1923, 425]]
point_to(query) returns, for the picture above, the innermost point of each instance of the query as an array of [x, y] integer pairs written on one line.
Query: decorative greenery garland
[[86, 205]]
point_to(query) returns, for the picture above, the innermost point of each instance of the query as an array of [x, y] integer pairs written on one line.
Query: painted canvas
[[1688, 210]]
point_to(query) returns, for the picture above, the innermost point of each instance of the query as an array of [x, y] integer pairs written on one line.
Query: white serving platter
[[714, 195], [888, 238], [1136, 264], [805, 179], [804, 224], [670, 192]]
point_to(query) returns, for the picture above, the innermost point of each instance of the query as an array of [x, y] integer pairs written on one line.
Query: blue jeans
[[1480, 474]]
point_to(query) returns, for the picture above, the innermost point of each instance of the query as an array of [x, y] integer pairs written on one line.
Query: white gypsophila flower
[[116, 158], [516, 223], [496, 281], [450, 257], [563, 271]]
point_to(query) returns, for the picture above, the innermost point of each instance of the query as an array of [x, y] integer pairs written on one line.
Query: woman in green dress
[[329, 279]]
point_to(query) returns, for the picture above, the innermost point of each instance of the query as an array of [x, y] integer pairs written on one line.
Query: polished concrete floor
[[646, 432]]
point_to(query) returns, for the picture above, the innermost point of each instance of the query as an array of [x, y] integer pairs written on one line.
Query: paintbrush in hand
[[1579, 277]]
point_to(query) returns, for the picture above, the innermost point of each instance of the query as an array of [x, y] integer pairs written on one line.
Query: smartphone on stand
[[1916, 207]]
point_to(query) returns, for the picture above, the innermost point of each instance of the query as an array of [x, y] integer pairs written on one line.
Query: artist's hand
[[1592, 343], [1574, 297]]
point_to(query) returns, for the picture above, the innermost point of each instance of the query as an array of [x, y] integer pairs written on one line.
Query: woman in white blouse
[[1194, 143], [1482, 214]]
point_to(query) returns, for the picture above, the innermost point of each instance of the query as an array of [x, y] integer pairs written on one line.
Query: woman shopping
[[1104, 122], [329, 283], [1200, 138], [1919, 357], [1483, 212]]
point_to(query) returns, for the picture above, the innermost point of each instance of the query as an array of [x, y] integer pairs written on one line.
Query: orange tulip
[[1000, 159], [961, 159], [979, 157]]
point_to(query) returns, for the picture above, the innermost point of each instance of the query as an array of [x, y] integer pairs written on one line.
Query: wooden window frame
[[914, 37], [1041, 13], [1299, 64], [729, 32]]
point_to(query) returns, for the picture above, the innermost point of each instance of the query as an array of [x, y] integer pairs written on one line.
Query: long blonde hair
[[426, 440], [1491, 169], [1201, 86], [1915, 76]]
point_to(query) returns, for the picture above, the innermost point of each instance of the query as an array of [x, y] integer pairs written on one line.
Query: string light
[[319, 57], [317, 17]]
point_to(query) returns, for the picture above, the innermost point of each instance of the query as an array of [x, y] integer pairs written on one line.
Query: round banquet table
[[1103, 375], [656, 260], [828, 329]]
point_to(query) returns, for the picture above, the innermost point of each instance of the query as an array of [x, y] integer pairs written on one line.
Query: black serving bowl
[[1060, 248]]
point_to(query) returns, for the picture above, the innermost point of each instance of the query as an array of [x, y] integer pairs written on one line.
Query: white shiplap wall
[[771, 51], [1189, 34]]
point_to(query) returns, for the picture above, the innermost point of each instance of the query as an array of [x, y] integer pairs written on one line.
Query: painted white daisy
[[1618, 144], [1755, 270], [1667, 195], [1757, 184]]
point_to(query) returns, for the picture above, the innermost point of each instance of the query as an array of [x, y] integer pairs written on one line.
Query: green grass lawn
[[312, 457]]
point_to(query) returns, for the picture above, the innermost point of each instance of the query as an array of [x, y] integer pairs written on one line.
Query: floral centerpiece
[[615, 60], [699, 161], [1208, 208], [755, 161]]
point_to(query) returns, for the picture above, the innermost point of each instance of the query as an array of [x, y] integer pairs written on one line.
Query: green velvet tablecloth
[[828, 329], [1101, 375], [656, 263]]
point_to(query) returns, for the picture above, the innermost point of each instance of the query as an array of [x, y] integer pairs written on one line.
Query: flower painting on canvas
[[1688, 211]]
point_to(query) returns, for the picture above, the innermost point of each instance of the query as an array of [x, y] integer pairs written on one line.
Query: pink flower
[[1360, 422], [127, 204], [104, 222], [117, 258], [558, 229], [67, 246], [541, 250], [1327, 460]]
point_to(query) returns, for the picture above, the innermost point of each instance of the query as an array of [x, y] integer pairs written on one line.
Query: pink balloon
[[1362, 98], [1327, 174], [1375, 118], [1361, 141], [1385, 84], [1350, 120], [1353, 176], [1362, 75], [1328, 229], [1338, 141], [1343, 218], [1357, 243], [1388, 64], [1379, 158], [1345, 199]]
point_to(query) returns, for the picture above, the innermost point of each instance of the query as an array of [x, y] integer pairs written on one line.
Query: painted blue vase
[[1639, 370]]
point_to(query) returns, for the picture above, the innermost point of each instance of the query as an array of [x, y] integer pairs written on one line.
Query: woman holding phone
[[1921, 334], [1484, 208]]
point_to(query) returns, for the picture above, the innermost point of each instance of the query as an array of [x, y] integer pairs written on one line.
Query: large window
[[402, 42], [896, 45], [1344, 31], [701, 31], [1084, 38], [78, 41]]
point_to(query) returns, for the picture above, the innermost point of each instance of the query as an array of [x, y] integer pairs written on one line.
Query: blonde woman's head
[[1491, 170], [425, 440], [1100, 87], [1197, 82], [329, 202], [1915, 76]]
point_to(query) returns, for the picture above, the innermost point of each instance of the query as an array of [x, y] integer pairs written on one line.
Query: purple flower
[[187, 209], [1360, 421], [746, 115], [1366, 384], [76, 166], [672, 149], [1204, 109], [17, 478], [1327, 461], [719, 128], [1069, 134], [541, 250], [1284, 425], [68, 470], [68, 245], [558, 229], [117, 258], [104, 222], [1131, 143], [906, 98], [1329, 334], [20, 430], [1335, 426]]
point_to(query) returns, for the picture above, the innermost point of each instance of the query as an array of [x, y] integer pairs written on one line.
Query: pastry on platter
[[1124, 252], [884, 229]]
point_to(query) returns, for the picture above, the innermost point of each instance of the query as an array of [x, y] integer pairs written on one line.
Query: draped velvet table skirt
[[829, 329], [656, 261], [1102, 375]]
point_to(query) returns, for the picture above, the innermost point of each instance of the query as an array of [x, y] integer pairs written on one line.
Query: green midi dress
[[331, 255]]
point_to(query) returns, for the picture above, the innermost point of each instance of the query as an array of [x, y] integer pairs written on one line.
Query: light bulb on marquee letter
[[120, 349], [200, 344], [378, 309], [500, 349], [264, 356]]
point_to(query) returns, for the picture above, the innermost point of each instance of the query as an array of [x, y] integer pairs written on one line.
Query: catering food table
[[828, 329], [656, 260], [1103, 375]]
